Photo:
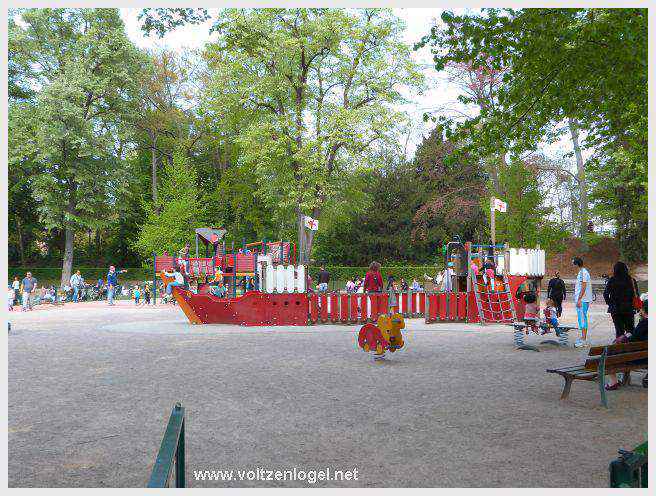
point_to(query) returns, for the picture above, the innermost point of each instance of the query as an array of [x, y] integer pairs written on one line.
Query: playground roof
[[211, 235]]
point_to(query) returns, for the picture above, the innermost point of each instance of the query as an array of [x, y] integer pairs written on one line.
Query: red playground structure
[[259, 284]]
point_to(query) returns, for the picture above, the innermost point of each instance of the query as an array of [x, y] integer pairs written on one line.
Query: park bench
[[561, 332], [604, 360]]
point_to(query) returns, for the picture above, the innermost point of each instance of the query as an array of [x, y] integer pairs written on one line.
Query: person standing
[[582, 300], [112, 282], [324, 279], [449, 277], [557, 292], [29, 286], [184, 257], [619, 293], [16, 287], [639, 333], [76, 284], [373, 281]]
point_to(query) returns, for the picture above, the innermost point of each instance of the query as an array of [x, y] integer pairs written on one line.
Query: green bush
[[52, 275], [341, 273]]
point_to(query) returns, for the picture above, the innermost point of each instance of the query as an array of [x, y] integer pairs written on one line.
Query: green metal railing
[[171, 452], [630, 468]]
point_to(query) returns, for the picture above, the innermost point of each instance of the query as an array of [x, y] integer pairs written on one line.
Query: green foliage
[[320, 87], [525, 223], [68, 137], [172, 221], [408, 272], [588, 65], [52, 275]]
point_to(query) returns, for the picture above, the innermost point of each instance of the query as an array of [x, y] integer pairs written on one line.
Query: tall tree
[[321, 85], [178, 213], [587, 65], [84, 67]]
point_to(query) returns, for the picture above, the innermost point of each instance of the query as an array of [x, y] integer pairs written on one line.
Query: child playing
[[11, 294], [147, 294], [488, 266], [137, 295], [474, 268], [551, 315], [531, 312]]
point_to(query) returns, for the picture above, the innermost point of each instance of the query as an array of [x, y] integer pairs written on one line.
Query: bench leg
[[602, 390], [626, 378], [567, 387]]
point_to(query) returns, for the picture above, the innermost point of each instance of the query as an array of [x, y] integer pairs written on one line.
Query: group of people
[[29, 294], [621, 295], [25, 289], [371, 283]]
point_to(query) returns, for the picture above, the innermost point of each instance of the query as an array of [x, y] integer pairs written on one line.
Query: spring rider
[[385, 335]]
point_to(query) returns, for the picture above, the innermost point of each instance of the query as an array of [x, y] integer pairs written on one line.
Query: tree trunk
[[67, 266], [580, 174], [302, 256], [153, 168], [21, 246]]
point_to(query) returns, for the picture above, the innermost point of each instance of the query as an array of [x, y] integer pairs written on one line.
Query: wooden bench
[[561, 331], [604, 360]]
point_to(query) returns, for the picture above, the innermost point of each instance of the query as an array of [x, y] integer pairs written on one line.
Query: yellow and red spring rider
[[383, 336]]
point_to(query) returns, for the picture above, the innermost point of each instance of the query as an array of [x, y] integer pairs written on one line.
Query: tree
[[320, 85], [168, 102], [585, 66], [74, 128], [178, 213]]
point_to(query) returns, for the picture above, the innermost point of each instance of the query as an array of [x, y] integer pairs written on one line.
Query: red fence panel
[[473, 309], [374, 301], [432, 306], [163, 263], [334, 307], [314, 308], [453, 306], [344, 301], [404, 307], [353, 307], [441, 312], [323, 307], [364, 307], [462, 307]]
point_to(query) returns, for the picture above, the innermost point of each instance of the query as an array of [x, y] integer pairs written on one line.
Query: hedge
[[52, 275], [408, 272]]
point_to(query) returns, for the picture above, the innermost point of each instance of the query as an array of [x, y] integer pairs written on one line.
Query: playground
[[91, 388]]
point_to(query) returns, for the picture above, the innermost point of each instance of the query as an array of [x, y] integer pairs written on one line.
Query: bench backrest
[[616, 354], [618, 348]]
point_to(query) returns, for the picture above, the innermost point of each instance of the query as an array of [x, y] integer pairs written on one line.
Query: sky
[[440, 93]]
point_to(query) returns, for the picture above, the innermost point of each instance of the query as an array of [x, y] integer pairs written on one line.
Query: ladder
[[485, 304]]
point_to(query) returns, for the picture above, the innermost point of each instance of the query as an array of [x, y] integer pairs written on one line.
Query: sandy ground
[[91, 388]]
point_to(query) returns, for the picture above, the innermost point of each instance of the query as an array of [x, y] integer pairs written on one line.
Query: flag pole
[[492, 223]]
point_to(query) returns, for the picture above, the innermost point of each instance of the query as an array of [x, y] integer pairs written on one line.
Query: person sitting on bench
[[638, 334], [531, 312]]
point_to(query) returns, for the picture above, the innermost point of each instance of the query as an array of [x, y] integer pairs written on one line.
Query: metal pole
[[154, 278], [492, 222]]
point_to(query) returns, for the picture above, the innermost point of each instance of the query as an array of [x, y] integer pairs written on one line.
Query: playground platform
[[91, 388]]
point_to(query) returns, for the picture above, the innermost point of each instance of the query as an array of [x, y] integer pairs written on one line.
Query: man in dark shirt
[[324, 278], [556, 291]]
